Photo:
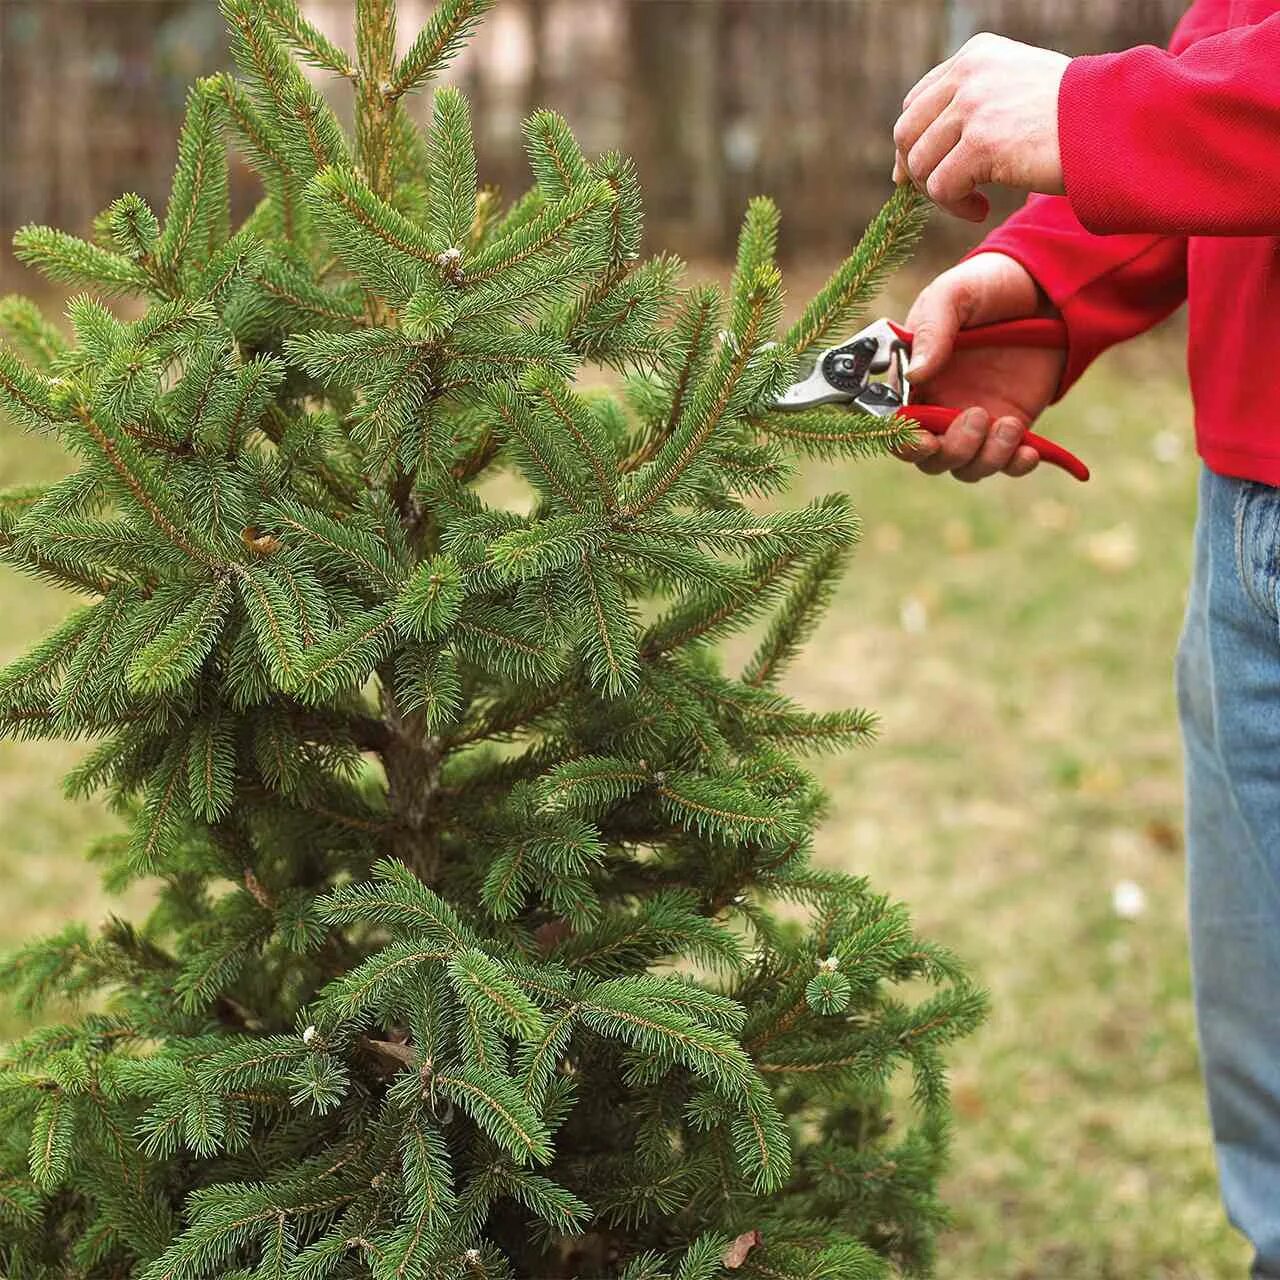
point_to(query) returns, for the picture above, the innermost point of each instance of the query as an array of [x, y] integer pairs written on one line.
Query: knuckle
[[964, 296], [927, 332], [977, 137]]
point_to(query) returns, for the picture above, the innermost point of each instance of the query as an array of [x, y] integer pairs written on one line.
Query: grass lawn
[[1017, 639]]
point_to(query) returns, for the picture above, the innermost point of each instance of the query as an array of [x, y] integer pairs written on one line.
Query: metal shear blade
[[843, 374]]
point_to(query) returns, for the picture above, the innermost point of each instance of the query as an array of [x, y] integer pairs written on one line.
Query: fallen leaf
[[736, 1254], [1114, 550], [1164, 835]]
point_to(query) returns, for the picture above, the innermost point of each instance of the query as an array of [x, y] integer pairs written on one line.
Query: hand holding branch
[[988, 114]]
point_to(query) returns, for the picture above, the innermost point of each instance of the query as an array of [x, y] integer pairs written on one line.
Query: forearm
[[1176, 144]]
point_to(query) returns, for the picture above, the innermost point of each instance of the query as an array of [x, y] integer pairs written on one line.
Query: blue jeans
[[1229, 703]]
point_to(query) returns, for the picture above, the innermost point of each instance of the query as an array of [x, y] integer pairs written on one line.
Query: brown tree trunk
[[412, 762]]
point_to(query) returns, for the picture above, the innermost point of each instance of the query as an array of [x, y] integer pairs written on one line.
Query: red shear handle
[[1035, 331], [1038, 331], [936, 418]]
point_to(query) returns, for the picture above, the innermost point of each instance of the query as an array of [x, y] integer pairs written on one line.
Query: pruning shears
[[868, 372]]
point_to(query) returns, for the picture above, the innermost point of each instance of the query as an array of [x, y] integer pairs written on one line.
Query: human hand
[[989, 113], [1001, 389]]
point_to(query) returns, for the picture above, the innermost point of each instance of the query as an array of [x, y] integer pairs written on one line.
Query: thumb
[[935, 320]]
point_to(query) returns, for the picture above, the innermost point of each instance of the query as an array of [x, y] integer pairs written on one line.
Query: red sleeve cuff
[[1093, 138]]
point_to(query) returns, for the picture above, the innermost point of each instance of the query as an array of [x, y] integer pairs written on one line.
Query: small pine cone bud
[[450, 264], [831, 963], [63, 395], [828, 992]]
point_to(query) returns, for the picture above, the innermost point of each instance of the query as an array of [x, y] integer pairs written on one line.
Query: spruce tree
[[486, 940]]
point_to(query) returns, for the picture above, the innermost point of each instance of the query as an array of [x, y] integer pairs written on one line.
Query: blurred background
[[716, 99], [1016, 637]]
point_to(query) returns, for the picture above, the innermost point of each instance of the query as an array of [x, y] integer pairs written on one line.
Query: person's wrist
[[1011, 291]]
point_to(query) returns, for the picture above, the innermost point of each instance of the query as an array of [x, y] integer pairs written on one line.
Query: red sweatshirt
[[1172, 172]]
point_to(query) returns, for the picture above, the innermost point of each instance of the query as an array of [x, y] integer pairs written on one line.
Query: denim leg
[[1228, 675]]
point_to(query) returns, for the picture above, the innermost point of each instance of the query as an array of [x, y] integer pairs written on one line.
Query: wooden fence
[[716, 99]]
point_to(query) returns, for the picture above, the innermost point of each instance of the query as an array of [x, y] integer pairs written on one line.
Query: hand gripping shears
[[847, 374]]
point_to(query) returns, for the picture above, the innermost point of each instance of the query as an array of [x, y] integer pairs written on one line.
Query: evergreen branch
[[541, 234], [734, 605], [22, 323], [545, 466], [579, 425], [451, 207], [177, 653], [376, 242], [265, 154], [495, 1105], [197, 204], [162, 813], [699, 422], [124, 462], [554, 155], [352, 996], [273, 618], [66, 259], [590, 783], [616, 1008], [447, 30], [695, 332], [25, 557], [832, 434], [722, 807], [430, 602], [25, 395], [341, 548], [886, 243], [492, 995], [396, 896], [613, 654], [346, 657], [795, 623], [310, 42]]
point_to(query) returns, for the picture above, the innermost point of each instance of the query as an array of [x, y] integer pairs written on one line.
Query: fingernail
[[976, 421], [1008, 431]]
